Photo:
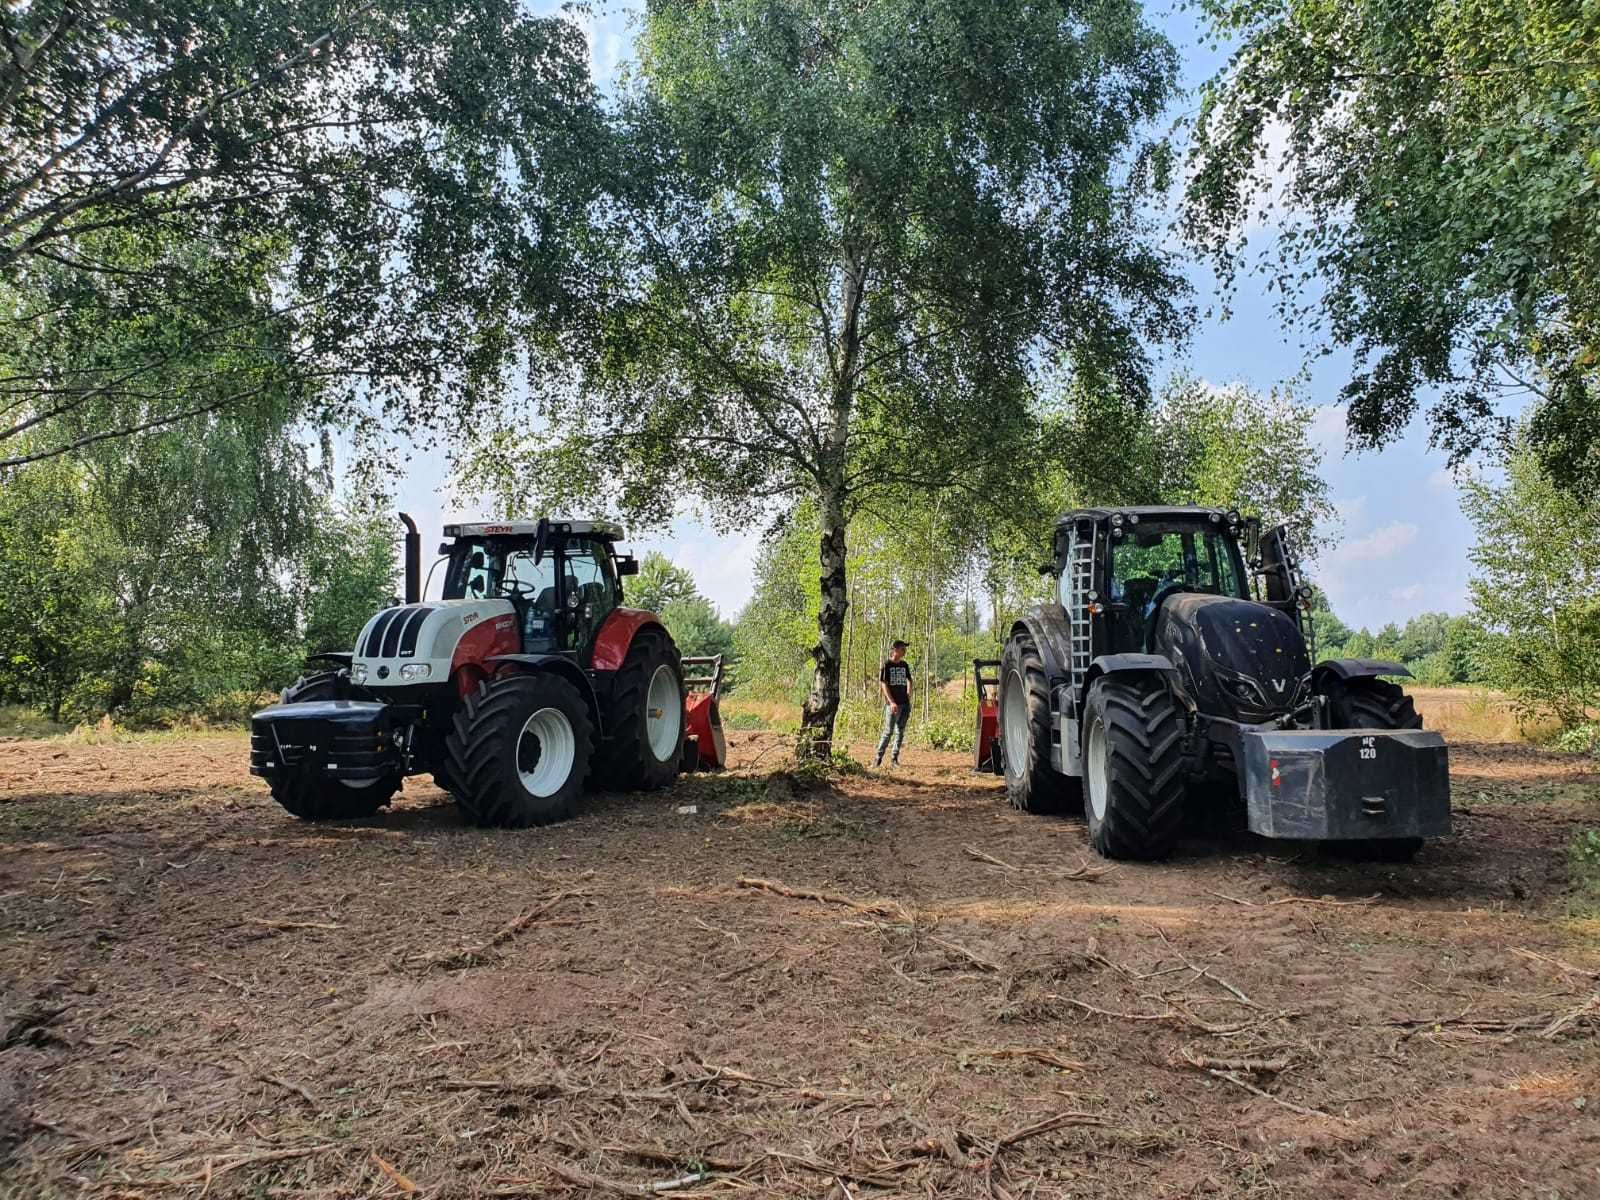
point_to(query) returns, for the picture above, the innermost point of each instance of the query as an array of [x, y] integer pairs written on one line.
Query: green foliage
[[696, 627], [412, 179], [849, 233], [1438, 649], [1537, 583], [57, 618], [949, 735], [658, 583], [160, 580], [1584, 855], [1440, 181], [1580, 739]]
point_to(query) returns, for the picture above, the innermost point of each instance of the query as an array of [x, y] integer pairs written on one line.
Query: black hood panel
[[1220, 643]]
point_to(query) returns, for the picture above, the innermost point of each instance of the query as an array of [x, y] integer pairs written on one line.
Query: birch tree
[[853, 231]]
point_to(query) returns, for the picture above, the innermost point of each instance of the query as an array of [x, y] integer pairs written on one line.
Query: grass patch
[[1584, 855], [19, 722], [1476, 714]]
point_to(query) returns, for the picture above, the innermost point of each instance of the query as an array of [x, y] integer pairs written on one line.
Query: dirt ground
[[201, 996]]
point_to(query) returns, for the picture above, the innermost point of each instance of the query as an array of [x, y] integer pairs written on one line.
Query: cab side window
[[590, 592]]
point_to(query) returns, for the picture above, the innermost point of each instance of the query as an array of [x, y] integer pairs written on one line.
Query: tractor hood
[[1237, 658], [428, 638]]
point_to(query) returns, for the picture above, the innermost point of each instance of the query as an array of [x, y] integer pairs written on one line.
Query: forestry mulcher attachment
[[525, 681], [1156, 675]]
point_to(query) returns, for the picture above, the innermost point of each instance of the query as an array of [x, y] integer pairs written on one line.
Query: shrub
[[1580, 739], [948, 735]]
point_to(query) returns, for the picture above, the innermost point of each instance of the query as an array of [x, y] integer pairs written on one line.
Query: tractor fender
[[556, 664], [1353, 668], [616, 635], [1133, 664], [1047, 625]]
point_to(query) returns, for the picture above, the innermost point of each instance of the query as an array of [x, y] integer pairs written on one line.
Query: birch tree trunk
[[822, 704]]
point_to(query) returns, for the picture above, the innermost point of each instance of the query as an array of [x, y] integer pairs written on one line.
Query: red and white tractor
[[525, 681]]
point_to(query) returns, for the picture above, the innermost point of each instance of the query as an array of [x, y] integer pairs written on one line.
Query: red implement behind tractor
[[704, 747]]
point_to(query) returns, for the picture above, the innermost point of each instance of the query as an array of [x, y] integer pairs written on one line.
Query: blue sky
[[1402, 539]]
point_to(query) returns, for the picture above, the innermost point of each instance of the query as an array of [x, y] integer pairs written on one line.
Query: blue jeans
[[893, 723]]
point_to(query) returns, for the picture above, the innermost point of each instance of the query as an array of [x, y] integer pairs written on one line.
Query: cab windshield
[[482, 568], [1152, 559]]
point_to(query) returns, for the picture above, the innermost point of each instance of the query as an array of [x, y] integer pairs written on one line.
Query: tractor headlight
[[358, 672], [415, 671]]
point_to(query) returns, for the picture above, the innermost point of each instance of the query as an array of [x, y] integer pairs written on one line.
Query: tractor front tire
[[644, 747], [519, 750], [1133, 770], [319, 685], [1368, 703], [306, 793], [314, 797], [1025, 720]]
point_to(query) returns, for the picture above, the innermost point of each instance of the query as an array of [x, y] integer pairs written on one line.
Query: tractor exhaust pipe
[[413, 561]]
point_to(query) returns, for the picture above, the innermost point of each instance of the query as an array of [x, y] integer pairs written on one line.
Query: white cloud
[[1384, 542], [1352, 513], [1328, 429], [1442, 480], [1408, 594]]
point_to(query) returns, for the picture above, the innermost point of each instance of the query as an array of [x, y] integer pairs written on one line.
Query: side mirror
[[628, 566]]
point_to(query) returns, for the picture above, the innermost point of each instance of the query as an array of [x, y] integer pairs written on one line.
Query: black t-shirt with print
[[897, 675]]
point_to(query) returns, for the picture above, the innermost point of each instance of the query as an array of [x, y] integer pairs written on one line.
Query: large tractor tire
[[1371, 704], [643, 749], [1032, 784], [1368, 703], [1133, 769], [319, 685], [520, 750], [312, 796]]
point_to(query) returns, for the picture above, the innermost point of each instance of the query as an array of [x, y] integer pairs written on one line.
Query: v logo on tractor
[[526, 681]]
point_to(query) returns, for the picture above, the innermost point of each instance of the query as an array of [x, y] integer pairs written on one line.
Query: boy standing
[[894, 681]]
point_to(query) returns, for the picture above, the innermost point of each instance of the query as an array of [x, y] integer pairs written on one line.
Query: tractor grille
[[395, 632]]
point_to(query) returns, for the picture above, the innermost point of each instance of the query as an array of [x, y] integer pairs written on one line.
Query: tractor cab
[[1154, 559], [562, 578]]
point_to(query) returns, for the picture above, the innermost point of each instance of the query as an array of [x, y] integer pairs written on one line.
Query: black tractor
[[1173, 671]]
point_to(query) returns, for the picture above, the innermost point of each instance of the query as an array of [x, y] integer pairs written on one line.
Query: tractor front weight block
[[343, 739], [1345, 785]]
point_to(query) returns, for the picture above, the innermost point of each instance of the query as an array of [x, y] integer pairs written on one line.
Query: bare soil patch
[[199, 994]]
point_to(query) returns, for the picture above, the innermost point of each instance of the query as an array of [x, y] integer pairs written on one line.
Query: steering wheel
[[515, 589], [1156, 601]]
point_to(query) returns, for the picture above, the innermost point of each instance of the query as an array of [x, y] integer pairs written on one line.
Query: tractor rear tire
[[1368, 703], [520, 749], [304, 792], [1133, 770], [644, 747], [1032, 784]]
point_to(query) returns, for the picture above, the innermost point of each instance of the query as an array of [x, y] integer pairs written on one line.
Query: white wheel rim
[[1096, 755], [663, 713], [1014, 717], [546, 750]]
